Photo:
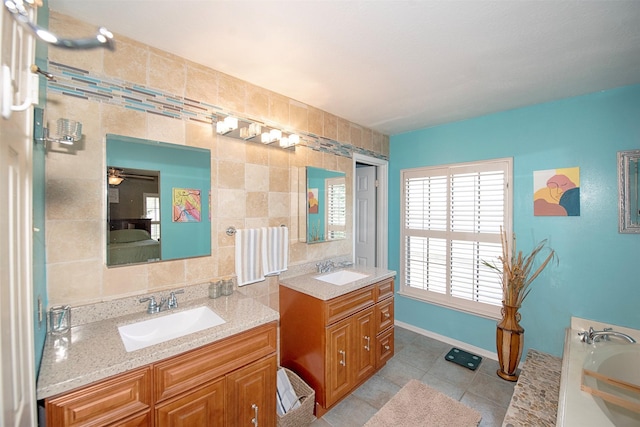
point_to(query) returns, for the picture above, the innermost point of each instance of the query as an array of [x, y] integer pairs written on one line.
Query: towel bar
[[232, 230]]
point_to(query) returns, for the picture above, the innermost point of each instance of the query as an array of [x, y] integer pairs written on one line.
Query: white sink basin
[[160, 329], [341, 277]]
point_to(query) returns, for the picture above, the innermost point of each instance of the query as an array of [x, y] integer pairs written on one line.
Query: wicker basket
[[303, 414]]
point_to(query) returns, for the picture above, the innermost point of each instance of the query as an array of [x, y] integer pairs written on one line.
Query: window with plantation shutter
[[336, 191], [451, 219]]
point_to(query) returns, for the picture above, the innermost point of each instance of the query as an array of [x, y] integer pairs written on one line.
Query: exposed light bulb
[[227, 125], [275, 134], [231, 123]]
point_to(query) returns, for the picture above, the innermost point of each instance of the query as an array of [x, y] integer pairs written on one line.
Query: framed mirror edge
[[302, 204], [625, 202]]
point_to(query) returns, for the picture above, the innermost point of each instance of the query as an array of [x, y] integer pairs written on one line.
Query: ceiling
[[393, 66]]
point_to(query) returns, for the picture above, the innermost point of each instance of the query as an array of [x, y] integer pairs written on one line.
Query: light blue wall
[[597, 275]]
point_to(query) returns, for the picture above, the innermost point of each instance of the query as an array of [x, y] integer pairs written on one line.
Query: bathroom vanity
[[225, 375], [336, 336]]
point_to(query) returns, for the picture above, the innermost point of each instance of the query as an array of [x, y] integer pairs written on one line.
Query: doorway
[[370, 211]]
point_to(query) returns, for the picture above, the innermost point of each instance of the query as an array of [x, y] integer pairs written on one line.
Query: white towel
[[275, 252], [249, 251]]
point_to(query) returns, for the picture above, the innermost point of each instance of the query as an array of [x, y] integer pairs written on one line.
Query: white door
[[365, 227], [17, 370]]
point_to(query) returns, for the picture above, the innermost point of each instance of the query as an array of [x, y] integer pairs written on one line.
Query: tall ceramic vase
[[509, 341]]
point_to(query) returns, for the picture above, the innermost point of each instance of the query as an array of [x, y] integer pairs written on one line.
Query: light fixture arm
[[17, 9]]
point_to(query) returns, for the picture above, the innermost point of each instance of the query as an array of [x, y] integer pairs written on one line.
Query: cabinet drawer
[[384, 315], [384, 347], [103, 403], [205, 364], [384, 289], [345, 305]]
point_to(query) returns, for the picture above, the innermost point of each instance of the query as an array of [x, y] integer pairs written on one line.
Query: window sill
[[481, 310]]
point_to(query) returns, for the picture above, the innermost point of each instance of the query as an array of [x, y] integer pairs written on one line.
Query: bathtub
[[580, 408]]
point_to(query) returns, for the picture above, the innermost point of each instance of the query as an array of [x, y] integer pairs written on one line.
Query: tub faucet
[[592, 335]]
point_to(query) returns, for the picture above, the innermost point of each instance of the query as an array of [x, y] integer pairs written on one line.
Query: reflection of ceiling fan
[[116, 176]]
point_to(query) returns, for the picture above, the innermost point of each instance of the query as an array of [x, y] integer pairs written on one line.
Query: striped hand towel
[[275, 252], [249, 251]]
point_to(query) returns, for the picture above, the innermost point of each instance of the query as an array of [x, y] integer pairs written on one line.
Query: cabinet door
[[364, 350], [202, 407], [339, 377], [251, 395]]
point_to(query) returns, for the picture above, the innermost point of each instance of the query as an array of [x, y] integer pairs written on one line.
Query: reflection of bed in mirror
[[131, 245], [128, 223]]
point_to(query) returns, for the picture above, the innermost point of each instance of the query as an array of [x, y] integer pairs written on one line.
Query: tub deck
[[535, 396]]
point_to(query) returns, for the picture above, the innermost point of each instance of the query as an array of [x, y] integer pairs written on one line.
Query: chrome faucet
[[592, 335], [325, 266], [172, 302], [153, 306]]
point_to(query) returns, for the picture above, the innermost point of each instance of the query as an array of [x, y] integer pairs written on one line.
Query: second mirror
[[326, 207]]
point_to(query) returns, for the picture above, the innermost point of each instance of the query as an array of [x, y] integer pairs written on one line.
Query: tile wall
[[252, 185]]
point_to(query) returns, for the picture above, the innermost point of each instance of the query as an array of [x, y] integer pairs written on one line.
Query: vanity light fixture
[[249, 129], [227, 125], [67, 132], [114, 176], [272, 136], [289, 141]]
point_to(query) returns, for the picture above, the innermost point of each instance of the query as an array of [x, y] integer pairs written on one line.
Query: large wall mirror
[[326, 205], [628, 193], [158, 201]]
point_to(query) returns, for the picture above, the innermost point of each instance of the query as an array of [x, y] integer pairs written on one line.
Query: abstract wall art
[[556, 192], [186, 205], [313, 200]]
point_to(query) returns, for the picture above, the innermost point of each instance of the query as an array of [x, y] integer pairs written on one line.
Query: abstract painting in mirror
[[142, 177], [326, 205], [628, 191]]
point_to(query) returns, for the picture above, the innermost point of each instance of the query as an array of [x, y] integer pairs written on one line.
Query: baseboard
[[455, 343]]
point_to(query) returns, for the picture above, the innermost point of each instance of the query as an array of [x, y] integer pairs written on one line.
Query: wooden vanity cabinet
[[220, 384], [338, 344]]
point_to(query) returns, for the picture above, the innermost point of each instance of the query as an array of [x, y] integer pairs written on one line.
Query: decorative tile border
[[78, 83]]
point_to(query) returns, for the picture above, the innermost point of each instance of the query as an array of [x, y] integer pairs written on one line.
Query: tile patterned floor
[[422, 358]]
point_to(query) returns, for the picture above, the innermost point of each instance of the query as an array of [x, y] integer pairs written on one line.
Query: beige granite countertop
[[94, 351], [308, 284]]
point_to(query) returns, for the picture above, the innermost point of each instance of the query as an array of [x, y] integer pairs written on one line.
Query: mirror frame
[[625, 201]]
